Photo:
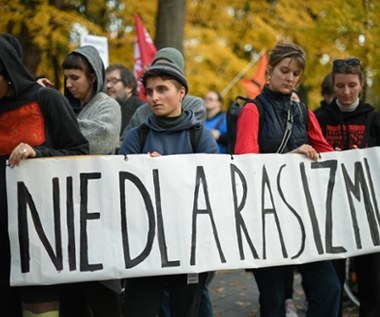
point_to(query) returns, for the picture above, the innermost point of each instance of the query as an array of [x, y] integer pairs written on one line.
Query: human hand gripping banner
[[88, 218]]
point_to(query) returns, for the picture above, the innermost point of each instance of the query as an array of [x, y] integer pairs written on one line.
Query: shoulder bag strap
[[287, 133]]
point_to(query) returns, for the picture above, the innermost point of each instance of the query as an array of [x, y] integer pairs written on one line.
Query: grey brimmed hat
[[166, 69], [171, 55]]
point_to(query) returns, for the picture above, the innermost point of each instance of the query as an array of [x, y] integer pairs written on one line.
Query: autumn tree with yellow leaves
[[219, 37]]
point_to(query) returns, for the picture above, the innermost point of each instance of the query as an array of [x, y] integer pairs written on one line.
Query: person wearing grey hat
[[196, 104], [168, 69], [168, 130]]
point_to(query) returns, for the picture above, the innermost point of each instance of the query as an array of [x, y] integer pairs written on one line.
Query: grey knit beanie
[[165, 69], [171, 55]]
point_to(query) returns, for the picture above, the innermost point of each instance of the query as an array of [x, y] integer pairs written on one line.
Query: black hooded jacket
[[40, 117], [345, 129]]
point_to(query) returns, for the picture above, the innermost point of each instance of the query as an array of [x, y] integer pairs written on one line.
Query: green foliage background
[[221, 36]]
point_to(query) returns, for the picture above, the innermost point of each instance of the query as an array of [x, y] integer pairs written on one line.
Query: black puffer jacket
[[273, 123]]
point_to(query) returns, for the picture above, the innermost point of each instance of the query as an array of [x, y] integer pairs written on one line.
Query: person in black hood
[[349, 123], [34, 122]]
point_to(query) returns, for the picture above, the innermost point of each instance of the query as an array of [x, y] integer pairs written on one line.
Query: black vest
[[273, 123]]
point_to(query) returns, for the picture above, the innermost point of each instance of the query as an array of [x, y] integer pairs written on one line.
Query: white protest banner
[[100, 43], [104, 217]]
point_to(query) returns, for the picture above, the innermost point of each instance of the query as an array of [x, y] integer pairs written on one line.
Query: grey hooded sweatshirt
[[99, 118]]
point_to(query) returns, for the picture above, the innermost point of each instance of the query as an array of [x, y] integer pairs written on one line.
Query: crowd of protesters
[[100, 113]]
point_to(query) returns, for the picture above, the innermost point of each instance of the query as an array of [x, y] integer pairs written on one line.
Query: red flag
[[254, 86], [144, 52]]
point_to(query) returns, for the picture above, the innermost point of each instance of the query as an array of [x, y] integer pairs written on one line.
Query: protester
[[170, 130], [349, 123], [99, 119], [122, 86], [34, 122], [195, 104], [216, 119], [284, 72], [327, 92], [98, 114]]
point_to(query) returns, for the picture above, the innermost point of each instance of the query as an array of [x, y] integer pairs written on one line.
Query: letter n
[[24, 200]]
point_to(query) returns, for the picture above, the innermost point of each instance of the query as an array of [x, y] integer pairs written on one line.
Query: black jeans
[[89, 299], [143, 295], [10, 300], [322, 285], [368, 270]]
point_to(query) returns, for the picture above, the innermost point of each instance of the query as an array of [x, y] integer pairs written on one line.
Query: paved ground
[[234, 294]]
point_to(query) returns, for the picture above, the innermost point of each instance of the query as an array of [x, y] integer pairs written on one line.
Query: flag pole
[[247, 67]]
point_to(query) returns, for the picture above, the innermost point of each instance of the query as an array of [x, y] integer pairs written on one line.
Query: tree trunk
[[170, 23], [32, 52]]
